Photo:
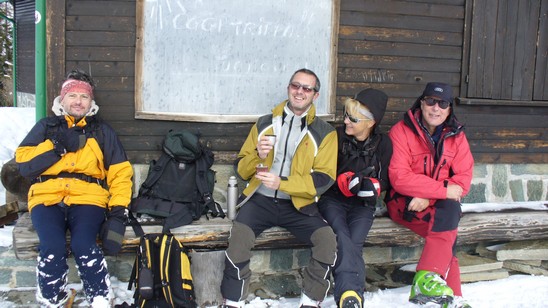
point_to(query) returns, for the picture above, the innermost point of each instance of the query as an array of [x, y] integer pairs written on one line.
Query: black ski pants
[[351, 224]]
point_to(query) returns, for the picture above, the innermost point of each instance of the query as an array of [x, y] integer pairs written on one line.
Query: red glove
[[348, 182], [351, 184]]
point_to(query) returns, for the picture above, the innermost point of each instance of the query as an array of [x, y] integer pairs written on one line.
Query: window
[[230, 61], [507, 57]]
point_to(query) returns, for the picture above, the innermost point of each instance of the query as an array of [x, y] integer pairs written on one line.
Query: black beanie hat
[[375, 101]]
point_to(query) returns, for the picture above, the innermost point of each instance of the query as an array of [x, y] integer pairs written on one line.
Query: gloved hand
[[114, 229], [68, 140], [351, 184], [347, 181], [369, 190], [118, 212]]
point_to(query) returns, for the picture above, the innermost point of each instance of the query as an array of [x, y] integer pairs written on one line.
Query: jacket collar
[[309, 116]]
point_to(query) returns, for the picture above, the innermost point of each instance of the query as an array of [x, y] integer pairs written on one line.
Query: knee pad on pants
[[240, 243], [324, 244]]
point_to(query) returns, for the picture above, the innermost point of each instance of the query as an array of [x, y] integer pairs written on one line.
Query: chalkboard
[[230, 61]]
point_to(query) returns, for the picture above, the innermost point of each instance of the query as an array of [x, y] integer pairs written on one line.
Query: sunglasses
[[353, 119], [432, 101], [306, 89]]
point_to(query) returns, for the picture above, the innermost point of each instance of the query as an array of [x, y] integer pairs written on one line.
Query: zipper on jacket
[[439, 153], [285, 153], [425, 160], [439, 169]]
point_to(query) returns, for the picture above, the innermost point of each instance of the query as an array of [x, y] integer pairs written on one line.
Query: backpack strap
[[93, 129], [52, 126], [133, 276], [151, 180], [134, 223], [140, 260], [80, 176], [202, 166], [201, 181], [165, 252], [349, 149]]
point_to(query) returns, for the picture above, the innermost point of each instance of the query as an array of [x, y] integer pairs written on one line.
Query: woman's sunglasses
[[429, 101], [353, 119]]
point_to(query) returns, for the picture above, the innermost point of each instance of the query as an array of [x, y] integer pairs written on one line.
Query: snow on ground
[[15, 123], [515, 291], [512, 292]]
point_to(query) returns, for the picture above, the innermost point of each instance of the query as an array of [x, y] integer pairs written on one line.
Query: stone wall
[[508, 183], [491, 182]]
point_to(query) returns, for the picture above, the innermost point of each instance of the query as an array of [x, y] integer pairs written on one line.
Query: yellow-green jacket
[[314, 164], [102, 158]]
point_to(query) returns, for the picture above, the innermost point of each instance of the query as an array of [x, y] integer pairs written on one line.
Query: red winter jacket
[[414, 170]]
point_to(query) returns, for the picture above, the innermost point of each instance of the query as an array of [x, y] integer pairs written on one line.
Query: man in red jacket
[[430, 171]]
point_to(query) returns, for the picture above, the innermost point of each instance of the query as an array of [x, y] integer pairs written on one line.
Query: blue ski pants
[[83, 222]]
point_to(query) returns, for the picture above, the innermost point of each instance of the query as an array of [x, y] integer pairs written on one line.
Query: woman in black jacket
[[362, 174]]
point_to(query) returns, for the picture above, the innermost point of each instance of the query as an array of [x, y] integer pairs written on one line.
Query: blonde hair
[[356, 109]]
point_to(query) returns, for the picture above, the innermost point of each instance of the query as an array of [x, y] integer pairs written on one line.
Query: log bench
[[212, 234]]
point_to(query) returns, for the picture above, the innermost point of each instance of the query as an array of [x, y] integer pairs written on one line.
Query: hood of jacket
[[58, 109]]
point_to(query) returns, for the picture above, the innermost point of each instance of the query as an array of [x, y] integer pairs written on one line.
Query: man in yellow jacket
[[79, 172], [299, 151]]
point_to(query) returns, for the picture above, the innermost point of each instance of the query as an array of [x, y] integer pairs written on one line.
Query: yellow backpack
[[161, 274]]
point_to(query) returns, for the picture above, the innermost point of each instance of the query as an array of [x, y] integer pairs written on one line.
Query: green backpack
[[179, 185]]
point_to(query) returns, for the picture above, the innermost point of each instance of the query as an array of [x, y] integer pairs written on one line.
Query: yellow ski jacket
[[314, 164], [97, 174]]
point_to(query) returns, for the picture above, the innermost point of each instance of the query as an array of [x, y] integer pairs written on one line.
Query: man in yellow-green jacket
[[79, 171], [289, 159]]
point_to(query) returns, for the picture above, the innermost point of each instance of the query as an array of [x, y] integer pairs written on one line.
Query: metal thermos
[[231, 197]]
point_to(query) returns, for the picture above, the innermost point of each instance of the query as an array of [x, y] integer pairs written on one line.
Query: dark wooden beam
[[55, 47]]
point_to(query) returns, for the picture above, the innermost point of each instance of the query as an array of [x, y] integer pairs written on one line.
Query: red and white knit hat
[[73, 85]]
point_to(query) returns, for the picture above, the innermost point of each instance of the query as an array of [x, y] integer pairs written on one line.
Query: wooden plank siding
[[396, 46], [541, 70]]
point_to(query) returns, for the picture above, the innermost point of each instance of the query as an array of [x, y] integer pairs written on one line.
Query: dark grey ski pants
[[261, 213]]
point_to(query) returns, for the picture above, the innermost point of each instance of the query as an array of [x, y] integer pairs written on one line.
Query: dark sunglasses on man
[[430, 101]]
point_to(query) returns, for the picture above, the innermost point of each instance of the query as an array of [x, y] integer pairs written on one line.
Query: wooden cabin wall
[[396, 46]]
